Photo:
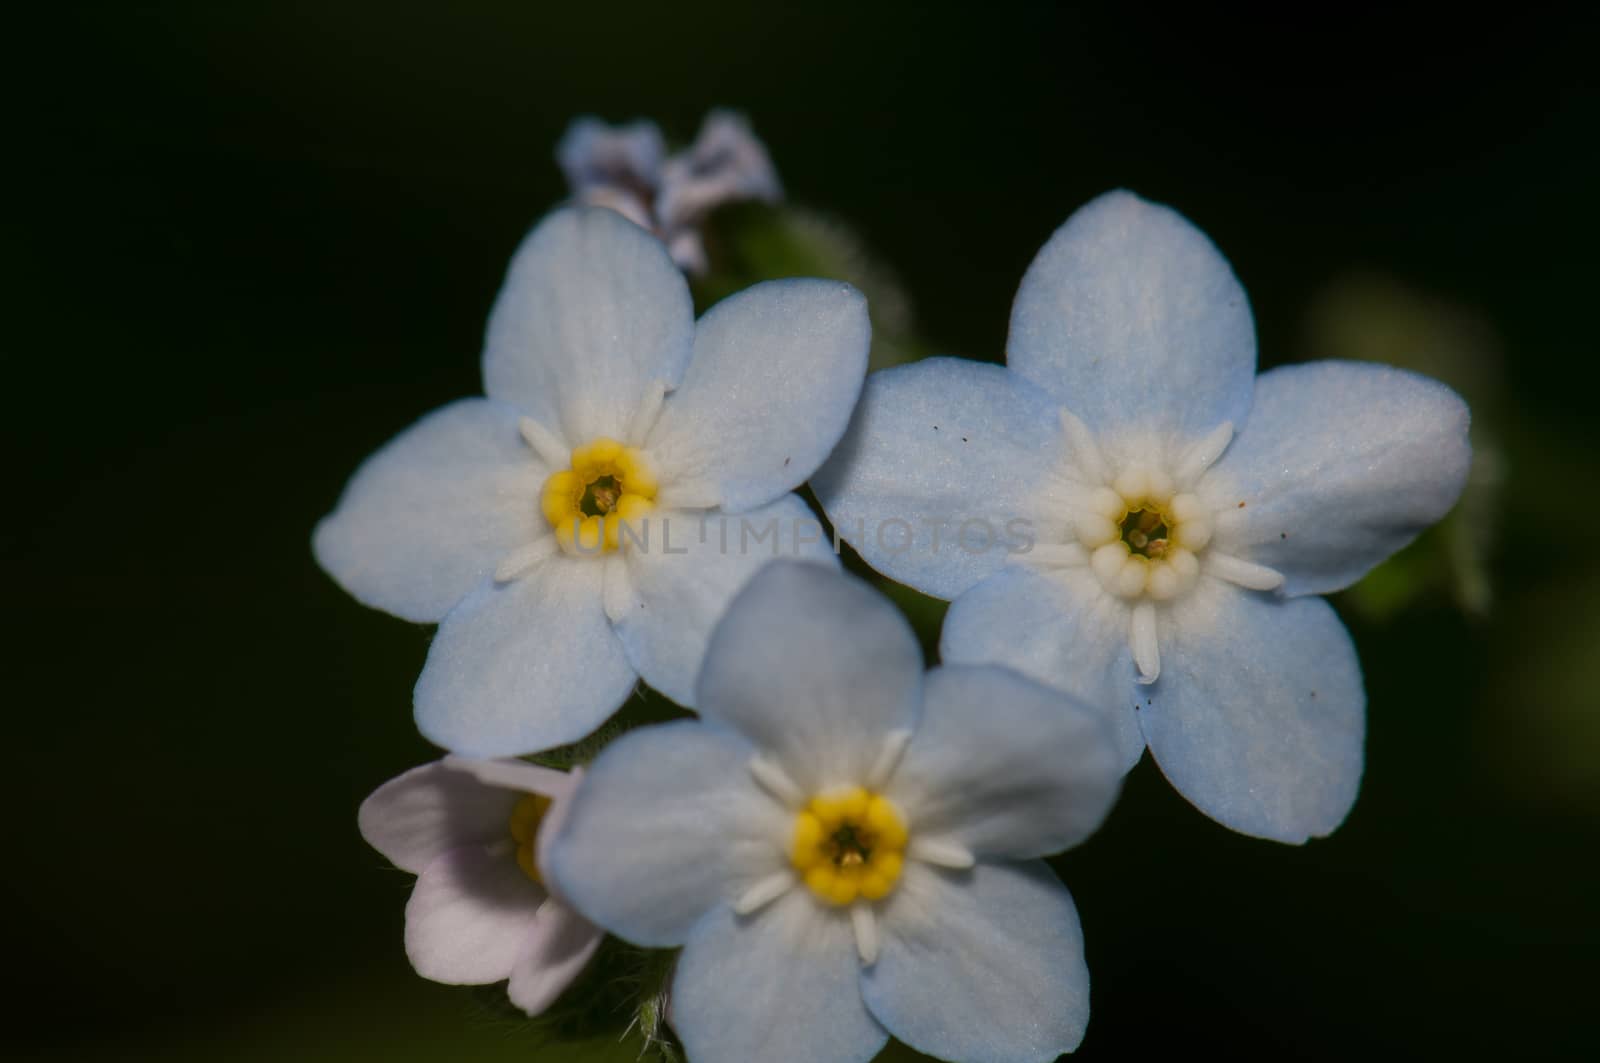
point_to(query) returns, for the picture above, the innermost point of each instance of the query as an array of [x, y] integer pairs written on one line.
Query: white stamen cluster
[[1146, 533]]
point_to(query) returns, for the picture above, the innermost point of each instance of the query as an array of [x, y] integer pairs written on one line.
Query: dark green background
[[251, 243]]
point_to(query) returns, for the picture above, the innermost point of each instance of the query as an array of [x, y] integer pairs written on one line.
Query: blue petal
[[776, 371], [984, 966], [1133, 320], [1341, 464], [591, 314], [816, 669], [1259, 715], [594, 156], [524, 666], [666, 825], [430, 515], [1005, 767], [780, 986], [678, 597], [1058, 627], [933, 445]]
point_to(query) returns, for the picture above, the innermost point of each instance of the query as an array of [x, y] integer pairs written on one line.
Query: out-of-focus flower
[[507, 518], [845, 847], [475, 834], [1179, 548], [626, 169]]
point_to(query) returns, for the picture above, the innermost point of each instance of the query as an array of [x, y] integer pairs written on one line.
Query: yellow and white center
[[526, 818], [1143, 536], [607, 486], [849, 843]]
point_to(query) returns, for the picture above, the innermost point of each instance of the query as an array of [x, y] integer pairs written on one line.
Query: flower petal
[[776, 371], [1005, 767], [415, 818], [469, 915], [1058, 627], [685, 577], [779, 986], [725, 164], [524, 666], [553, 954], [1133, 320], [1259, 715], [1341, 464], [816, 669], [597, 158], [935, 445], [666, 824], [592, 313], [983, 965], [430, 515]]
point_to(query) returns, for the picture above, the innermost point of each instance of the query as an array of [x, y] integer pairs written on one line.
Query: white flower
[[1185, 513], [475, 835], [846, 848], [625, 168], [502, 517]]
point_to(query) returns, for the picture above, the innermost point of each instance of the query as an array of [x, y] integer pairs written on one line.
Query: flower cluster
[[844, 846], [627, 169]]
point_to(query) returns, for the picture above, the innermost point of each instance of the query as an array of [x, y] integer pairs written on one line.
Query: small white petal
[[555, 953], [1164, 583], [469, 915], [1158, 486], [1185, 564], [1198, 458], [649, 411], [1084, 450], [617, 592], [517, 563], [1142, 638], [417, 817], [764, 892], [545, 443], [1106, 502], [1194, 533], [1135, 574], [1133, 484], [865, 925], [776, 781], [1246, 574], [1108, 561], [941, 852], [894, 747], [1094, 530]]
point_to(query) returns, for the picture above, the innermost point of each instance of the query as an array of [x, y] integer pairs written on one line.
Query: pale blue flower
[[604, 397], [626, 168], [1181, 514], [845, 847]]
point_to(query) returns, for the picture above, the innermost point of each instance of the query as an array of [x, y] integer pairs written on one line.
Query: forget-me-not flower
[[503, 518], [475, 833], [845, 847], [627, 169], [1184, 514]]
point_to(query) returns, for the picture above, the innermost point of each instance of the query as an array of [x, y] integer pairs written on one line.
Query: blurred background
[[249, 243]]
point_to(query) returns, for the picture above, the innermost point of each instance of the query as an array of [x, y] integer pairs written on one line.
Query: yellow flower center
[[849, 843], [525, 820], [608, 485]]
